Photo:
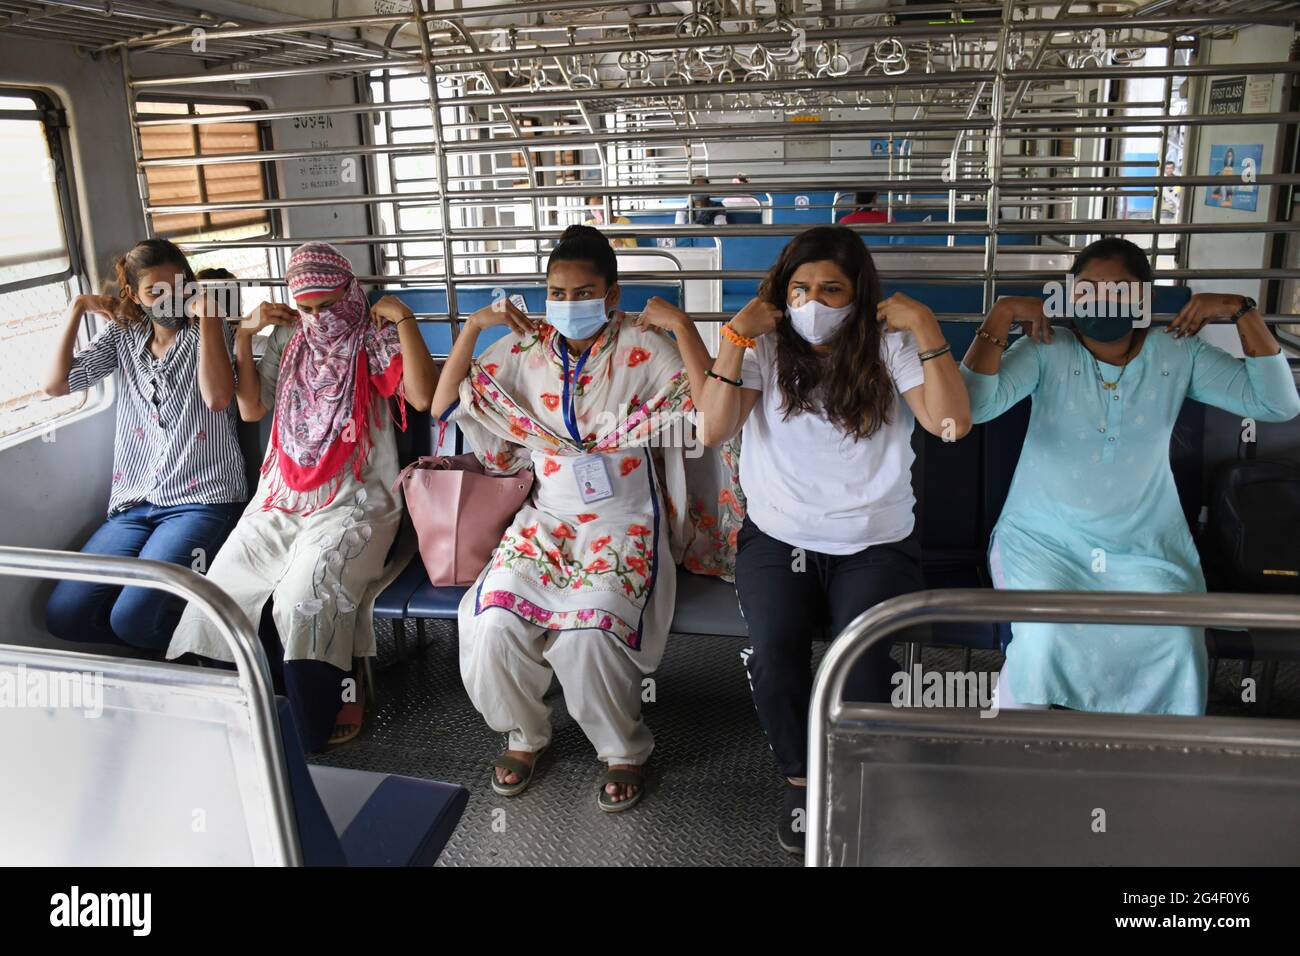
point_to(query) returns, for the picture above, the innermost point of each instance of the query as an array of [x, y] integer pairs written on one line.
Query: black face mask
[[1103, 328], [166, 314]]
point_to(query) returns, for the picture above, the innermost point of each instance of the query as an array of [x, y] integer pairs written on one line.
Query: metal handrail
[[234, 627], [1271, 612]]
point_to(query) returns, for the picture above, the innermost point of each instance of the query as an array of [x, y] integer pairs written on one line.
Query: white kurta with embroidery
[[323, 570], [585, 590]]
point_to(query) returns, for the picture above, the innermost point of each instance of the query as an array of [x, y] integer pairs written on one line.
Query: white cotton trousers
[[507, 663]]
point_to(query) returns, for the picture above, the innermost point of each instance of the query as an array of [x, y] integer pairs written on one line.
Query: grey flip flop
[[634, 777], [514, 765]]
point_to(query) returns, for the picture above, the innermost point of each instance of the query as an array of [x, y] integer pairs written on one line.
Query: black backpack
[[1254, 522]]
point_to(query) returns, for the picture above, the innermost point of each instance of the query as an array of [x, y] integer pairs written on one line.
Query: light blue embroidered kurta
[[1093, 507]]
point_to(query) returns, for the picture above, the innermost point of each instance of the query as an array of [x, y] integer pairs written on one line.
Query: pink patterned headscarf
[[330, 369]]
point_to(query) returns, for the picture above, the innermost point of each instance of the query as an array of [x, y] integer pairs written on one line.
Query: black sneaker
[[791, 827]]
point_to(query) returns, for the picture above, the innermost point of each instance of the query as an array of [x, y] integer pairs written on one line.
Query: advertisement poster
[[1242, 162], [880, 147]]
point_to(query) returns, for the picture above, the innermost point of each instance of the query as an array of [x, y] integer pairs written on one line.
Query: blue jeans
[[141, 617]]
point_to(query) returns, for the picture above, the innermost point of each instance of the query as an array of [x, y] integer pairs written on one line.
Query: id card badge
[[592, 476]]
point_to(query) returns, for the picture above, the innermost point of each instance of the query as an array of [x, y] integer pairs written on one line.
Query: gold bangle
[[735, 338], [980, 333]]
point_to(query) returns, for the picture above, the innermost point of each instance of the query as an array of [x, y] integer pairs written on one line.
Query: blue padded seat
[[651, 219], [385, 819], [434, 603], [942, 572], [747, 252], [817, 213], [393, 601], [358, 818], [706, 605], [416, 441], [317, 838], [960, 486]]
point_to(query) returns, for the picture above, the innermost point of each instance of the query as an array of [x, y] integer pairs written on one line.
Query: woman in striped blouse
[[178, 475]]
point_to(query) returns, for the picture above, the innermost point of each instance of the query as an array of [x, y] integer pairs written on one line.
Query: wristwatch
[[1247, 303]]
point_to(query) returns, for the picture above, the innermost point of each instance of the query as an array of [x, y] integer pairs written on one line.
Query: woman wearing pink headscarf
[[316, 535]]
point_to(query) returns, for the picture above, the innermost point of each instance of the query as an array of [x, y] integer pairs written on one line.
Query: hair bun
[[581, 232]]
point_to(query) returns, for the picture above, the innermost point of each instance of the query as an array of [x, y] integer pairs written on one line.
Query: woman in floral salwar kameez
[[583, 583]]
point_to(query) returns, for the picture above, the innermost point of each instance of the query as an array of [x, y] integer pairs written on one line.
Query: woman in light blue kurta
[[1093, 504]]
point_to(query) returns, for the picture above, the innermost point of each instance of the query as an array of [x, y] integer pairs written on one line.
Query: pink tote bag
[[459, 513]]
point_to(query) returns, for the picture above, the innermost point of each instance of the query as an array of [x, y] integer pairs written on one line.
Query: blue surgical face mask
[[576, 318]]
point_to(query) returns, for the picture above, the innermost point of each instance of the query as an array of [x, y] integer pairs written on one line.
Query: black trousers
[[789, 599]]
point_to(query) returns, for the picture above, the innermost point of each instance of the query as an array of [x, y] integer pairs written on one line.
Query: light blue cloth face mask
[[576, 318]]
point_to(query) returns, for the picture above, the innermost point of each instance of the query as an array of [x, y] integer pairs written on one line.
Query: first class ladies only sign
[[1227, 95]]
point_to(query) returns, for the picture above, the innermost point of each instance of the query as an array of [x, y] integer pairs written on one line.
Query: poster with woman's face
[[1243, 164]]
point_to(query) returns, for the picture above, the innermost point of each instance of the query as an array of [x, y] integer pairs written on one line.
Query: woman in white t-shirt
[[812, 371]]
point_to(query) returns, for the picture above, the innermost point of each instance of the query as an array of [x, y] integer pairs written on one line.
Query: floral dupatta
[[632, 402]]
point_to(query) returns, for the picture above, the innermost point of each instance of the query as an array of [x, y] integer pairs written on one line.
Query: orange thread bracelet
[[735, 338]]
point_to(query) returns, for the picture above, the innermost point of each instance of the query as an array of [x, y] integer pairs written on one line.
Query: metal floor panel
[[713, 787]]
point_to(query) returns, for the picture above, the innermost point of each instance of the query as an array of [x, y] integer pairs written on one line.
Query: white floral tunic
[[565, 564]]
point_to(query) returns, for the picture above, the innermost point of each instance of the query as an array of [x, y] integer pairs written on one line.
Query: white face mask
[[816, 322]]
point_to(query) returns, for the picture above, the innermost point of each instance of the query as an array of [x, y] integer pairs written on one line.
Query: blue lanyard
[[570, 399]]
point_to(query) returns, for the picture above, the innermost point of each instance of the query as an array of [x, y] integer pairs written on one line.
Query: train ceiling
[[668, 40]]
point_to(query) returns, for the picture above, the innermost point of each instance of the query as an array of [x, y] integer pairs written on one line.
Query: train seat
[[657, 218], [803, 208], [668, 219], [705, 605], [361, 818], [394, 602], [176, 747], [747, 253], [956, 516], [433, 603], [908, 214]]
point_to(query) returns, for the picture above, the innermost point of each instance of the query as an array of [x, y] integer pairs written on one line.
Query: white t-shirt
[[808, 483]]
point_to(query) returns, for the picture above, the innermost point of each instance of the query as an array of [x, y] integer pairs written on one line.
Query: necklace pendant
[[1109, 386]]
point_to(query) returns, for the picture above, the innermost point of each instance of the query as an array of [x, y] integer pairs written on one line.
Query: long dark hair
[[1115, 249], [849, 384], [586, 244], [147, 254]]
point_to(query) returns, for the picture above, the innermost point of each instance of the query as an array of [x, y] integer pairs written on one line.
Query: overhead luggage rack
[[487, 130]]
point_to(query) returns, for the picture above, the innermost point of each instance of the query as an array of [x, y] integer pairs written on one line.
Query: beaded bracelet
[[735, 338], [722, 378], [980, 333]]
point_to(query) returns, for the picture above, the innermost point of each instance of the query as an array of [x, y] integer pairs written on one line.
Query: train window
[[39, 269], [1155, 150], [415, 172], [208, 182]]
